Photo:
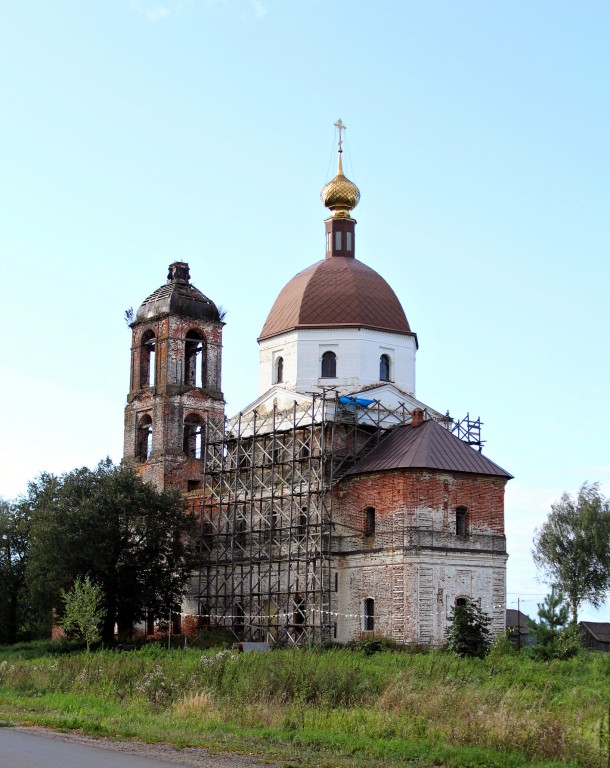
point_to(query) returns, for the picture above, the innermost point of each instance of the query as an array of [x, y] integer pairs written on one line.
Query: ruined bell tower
[[175, 387]]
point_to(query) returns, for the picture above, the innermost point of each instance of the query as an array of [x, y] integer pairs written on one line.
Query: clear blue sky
[[135, 133]]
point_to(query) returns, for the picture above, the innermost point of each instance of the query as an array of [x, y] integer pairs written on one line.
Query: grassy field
[[335, 707]]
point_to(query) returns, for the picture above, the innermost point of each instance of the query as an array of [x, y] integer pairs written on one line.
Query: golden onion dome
[[340, 195]]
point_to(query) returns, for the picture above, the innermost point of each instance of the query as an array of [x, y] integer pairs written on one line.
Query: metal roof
[[333, 293], [178, 297], [599, 629], [429, 446]]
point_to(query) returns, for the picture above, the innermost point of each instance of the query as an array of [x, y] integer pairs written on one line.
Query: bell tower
[[175, 387]]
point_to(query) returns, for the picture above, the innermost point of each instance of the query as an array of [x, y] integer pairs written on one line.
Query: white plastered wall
[[358, 352], [414, 594]]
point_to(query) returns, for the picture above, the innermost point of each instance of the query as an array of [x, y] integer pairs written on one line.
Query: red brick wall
[[422, 498]]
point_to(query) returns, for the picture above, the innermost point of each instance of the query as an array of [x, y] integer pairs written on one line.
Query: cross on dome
[[340, 195], [340, 125]]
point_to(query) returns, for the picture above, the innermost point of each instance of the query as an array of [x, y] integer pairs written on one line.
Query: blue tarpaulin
[[356, 401]]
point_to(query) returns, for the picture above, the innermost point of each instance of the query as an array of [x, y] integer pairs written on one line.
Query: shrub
[[468, 631]]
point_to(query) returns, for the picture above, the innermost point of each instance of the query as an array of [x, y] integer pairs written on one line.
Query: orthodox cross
[[342, 127]]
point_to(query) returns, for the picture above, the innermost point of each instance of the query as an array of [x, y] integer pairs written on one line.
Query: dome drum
[[340, 237]]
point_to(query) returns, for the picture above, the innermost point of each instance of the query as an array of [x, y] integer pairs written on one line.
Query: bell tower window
[[194, 365], [144, 438], [192, 436], [329, 365], [147, 360]]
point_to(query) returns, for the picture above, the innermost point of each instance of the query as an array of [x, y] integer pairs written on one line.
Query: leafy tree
[[14, 539], [83, 610], [573, 547], [107, 524], [468, 631]]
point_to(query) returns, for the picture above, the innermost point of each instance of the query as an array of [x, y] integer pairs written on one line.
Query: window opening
[[336, 581], [240, 531], [348, 237], [238, 614], [147, 360], [460, 602], [144, 447], [337, 241], [303, 520], [329, 365], [369, 521], [461, 521], [279, 370], [194, 368], [192, 436], [368, 624], [384, 368], [193, 485]]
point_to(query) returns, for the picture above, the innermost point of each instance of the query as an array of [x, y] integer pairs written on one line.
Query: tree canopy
[[14, 538], [130, 539], [573, 547]]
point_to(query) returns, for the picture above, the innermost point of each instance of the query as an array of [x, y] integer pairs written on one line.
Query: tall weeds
[[509, 704]]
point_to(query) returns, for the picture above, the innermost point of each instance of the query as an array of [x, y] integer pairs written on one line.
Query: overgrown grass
[[333, 707]]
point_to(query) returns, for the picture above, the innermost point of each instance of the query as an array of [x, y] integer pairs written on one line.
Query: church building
[[337, 504]]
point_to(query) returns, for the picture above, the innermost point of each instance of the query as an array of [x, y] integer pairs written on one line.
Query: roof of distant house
[[600, 630], [517, 620]]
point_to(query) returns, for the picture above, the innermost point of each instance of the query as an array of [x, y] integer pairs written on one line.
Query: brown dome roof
[[340, 292]]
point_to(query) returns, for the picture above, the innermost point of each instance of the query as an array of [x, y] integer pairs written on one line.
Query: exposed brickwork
[[168, 398], [416, 565]]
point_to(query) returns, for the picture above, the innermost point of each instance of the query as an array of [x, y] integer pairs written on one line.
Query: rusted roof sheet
[[336, 292], [429, 446], [179, 298], [599, 629]]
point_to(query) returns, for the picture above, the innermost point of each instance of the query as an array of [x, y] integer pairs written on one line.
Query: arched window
[[192, 436], [461, 521], [194, 360], [329, 365], [368, 615], [279, 370], [384, 368], [147, 360], [144, 446], [369, 521], [461, 602]]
